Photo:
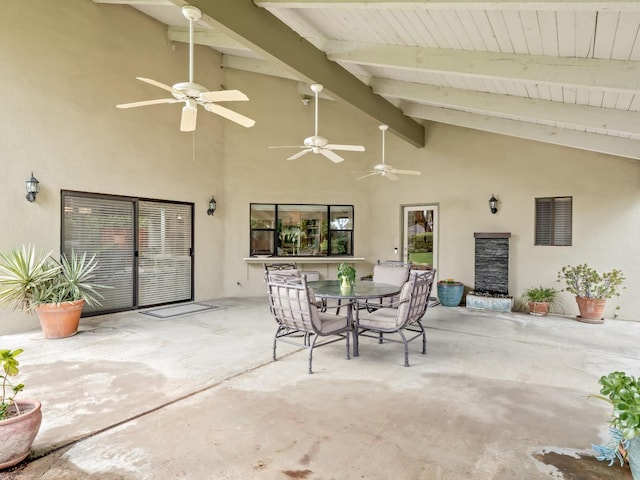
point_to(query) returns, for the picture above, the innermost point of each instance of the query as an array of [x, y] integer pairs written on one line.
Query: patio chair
[[402, 318], [393, 273], [300, 321]]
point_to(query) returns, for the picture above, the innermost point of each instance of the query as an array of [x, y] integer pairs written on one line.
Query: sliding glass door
[[144, 247]]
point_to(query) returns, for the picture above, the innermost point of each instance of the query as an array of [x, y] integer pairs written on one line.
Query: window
[[553, 220], [301, 230]]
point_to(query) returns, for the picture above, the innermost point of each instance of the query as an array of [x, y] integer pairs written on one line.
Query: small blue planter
[[450, 294]]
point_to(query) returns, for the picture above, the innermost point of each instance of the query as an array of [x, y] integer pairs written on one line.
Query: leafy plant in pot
[[19, 419], [622, 391], [591, 288], [540, 299], [56, 289], [346, 275]]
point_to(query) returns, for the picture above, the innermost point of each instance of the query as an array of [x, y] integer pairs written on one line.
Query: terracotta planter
[[591, 310], [539, 309], [60, 320], [18, 433]]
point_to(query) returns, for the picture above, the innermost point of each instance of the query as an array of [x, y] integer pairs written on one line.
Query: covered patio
[[497, 396]]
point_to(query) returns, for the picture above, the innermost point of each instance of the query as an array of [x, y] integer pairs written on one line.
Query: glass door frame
[[404, 234]]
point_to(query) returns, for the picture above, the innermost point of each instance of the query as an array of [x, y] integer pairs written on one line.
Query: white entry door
[[420, 234]]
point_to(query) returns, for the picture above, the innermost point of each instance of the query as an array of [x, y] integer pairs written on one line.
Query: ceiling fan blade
[[406, 172], [155, 83], [299, 154], [334, 157], [189, 115], [350, 148], [229, 114], [390, 176], [367, 175], [223, 96], [144, 103]]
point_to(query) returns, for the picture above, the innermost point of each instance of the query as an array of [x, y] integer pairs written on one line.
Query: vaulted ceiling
[[562, 72]]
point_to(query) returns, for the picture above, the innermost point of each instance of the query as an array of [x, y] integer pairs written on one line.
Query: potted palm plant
[[56, 289], [19, 419], [622, 391], [591, 288], [539, 299]]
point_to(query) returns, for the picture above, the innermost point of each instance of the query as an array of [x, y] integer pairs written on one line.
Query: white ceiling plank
[[450, 38], [569, 95], [566, 34], [501, 32], [622, 147], [623, 101], [516, 31], [606, 34], [531, 30], [577, 117], [626, 36], [609, 99], [585, 27], [548, 33], [485, 31]]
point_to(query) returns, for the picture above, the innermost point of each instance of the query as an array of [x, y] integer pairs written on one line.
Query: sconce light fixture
[[33, 188], [212, 206], [493, 204]]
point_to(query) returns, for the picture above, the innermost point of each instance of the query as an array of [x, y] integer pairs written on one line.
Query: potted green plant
[[591, 288], [346, 275], [19, 419], [622, 391], [539, 299], [56, 289], [450, 292]]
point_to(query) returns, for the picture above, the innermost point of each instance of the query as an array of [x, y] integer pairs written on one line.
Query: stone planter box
[[494, 304]]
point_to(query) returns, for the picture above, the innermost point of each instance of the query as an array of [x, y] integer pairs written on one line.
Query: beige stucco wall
[[67, 64]]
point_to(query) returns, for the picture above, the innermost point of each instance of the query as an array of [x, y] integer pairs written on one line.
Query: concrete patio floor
[[498, 396]]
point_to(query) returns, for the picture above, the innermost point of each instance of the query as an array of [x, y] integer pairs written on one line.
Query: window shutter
[[562, 221], [543, 221]]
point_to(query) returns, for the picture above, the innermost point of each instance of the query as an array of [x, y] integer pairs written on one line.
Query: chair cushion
[[389, 318], [327, 323], [393, 275]]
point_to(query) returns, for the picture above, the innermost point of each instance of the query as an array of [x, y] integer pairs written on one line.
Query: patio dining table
[[361, 290]]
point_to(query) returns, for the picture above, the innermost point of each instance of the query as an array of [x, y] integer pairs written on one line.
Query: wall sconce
[[33, 188], [493, 204], [212, 206]]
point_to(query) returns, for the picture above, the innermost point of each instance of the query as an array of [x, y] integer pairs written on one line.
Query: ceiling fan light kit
[[384, 169], [193, 94], [318, 144]]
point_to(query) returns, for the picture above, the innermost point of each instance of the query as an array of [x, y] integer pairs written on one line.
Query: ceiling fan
[[193, 94], [318, 144], [387, 170]]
